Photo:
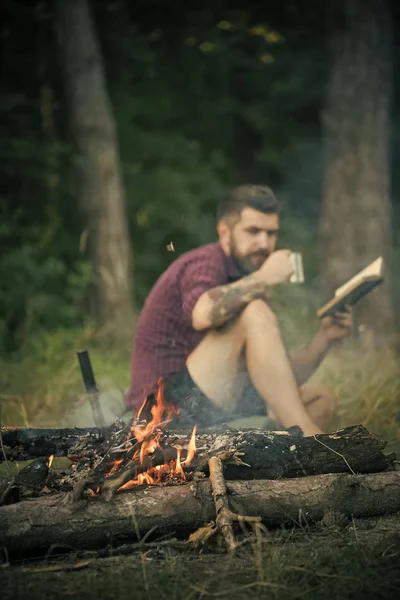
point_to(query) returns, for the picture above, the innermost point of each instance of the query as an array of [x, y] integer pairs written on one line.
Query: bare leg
[[214, 364], [320, 403]]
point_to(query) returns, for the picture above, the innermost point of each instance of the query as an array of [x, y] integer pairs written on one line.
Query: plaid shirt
[[164, 335]]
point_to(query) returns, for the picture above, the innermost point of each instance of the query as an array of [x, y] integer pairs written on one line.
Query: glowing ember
[[140, 480], [116, 466]]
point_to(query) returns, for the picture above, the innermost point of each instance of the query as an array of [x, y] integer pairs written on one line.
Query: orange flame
[[148, 435], [140, 479], [149, 446], [191, 451], [50, 460], [157, 412], [178, 467], [115, 467]]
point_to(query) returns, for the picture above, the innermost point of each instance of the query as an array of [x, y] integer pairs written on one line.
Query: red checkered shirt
[[164, 335]]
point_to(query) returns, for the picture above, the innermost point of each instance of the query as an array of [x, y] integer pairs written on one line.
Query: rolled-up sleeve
[[198, 277]]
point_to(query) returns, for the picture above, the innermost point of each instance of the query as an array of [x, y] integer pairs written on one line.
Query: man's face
[[251, 240]]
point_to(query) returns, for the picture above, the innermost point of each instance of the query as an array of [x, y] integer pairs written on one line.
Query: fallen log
[[257, 454], [247, 454], [35, 525], [274, 455], [26, 443]]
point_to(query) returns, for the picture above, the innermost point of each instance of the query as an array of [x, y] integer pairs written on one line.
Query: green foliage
[[32, 299], [200, 110]]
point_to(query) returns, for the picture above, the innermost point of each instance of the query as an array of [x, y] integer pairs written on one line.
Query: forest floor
[[359, 561]]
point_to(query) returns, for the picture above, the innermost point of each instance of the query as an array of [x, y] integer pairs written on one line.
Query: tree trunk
[[35, 525], [356, 220], [101, 191]]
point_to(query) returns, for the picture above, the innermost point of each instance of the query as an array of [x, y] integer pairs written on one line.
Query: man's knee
[[258, 312], [328, 401], [320, 400]]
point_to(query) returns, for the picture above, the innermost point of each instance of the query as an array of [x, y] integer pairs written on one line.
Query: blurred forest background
[[122, 123]]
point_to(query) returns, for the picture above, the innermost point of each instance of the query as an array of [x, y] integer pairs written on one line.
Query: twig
[[223, 520], [2, 446], [225, 516], [338, 453]]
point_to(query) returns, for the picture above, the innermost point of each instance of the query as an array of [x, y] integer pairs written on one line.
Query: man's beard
[[244, 264]]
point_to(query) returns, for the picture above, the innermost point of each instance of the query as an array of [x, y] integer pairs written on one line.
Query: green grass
[[43, 384], [368, 391]]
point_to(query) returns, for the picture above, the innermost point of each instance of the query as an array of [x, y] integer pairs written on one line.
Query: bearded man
[[208, 332]]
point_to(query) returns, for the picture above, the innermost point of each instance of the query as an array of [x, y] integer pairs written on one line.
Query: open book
[[356, 288]]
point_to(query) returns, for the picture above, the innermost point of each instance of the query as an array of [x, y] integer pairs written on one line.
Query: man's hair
[[259, 197]]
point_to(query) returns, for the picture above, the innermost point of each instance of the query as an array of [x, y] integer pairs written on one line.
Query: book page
[[373, 270]]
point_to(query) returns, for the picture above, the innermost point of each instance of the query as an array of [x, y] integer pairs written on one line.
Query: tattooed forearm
[[227, 301]]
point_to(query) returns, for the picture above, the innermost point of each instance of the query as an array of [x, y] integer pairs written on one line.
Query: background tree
[[203, 96], [356, 214], [100, 187]]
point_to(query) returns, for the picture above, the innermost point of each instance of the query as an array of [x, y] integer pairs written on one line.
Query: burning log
[[124, 456], [35, 525], [267, 454], [256, 454]]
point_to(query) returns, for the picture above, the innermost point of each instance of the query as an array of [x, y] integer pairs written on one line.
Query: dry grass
[[367, 388], [287, 565]]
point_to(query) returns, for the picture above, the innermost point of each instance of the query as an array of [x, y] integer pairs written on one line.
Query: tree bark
[[34, 525], [101, 191], [263, 454], [356, 219]]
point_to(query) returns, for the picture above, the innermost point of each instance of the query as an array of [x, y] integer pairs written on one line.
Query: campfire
[[193, 483], [142, 444]]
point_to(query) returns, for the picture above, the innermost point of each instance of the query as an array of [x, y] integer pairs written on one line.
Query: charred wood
[[261, 454], [247, 454], [25, 443]]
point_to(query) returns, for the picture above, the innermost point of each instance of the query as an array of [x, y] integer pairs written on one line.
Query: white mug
[[297, 264]]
